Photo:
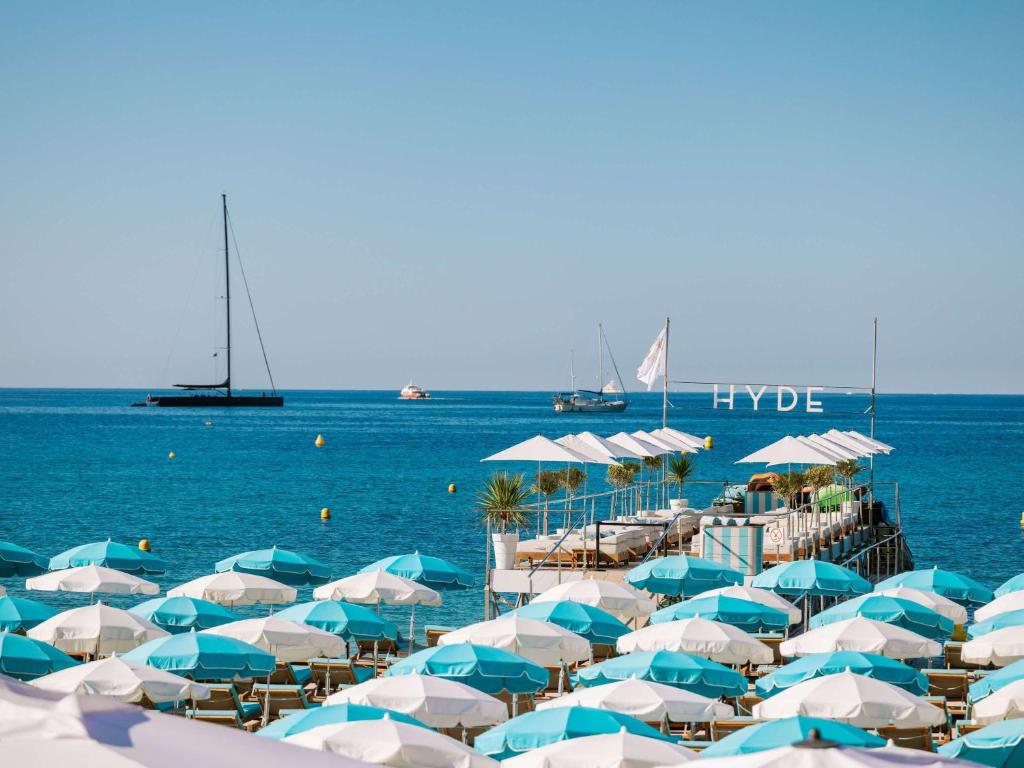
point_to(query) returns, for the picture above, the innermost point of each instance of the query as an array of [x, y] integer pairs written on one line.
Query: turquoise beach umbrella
[[1016, 584], [692, 673], [812, 577], [330, 715], [204, 657], [1000, 621], [108, 554], [993, 681], [955, 586], [26, 659], [18, 561], [181, 614], [891, 610], [291, 568], [821, 664], [744, 614], [18, 613], [547, 726], [1000, 745], [429, 571], [782, 733], [595, 625], [487, 669], [682, 575], [352, 622]]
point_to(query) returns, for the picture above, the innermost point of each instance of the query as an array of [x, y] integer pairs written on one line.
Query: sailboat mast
[[227, 287], [572, 372], [600, 359]]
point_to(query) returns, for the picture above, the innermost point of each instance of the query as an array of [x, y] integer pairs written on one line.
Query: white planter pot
[[678, 505], [505, 545]]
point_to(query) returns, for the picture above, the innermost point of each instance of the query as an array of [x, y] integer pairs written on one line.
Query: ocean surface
[[81, 465]]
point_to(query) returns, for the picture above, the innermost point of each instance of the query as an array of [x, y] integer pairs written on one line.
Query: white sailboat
[[588, 400]]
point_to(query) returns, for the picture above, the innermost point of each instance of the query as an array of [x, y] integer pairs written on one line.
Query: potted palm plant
[[652, 464], [500, 503], [680, 469], [547, 484]]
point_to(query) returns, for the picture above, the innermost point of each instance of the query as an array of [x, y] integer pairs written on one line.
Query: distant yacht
[[587, 400], [612, 388], [413, 392]]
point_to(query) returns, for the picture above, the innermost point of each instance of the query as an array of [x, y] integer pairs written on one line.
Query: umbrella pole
[[376, 647], [412, 627]]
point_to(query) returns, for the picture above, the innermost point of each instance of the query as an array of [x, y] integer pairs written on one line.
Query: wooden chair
[[722, 728], [908, 738]]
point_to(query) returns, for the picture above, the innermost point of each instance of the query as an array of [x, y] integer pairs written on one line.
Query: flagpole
[[664, 393]]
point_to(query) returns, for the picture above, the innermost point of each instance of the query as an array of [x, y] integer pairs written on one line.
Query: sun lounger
[[967, 726], [722, 728], [908, 738], [434, 632], [523, 703], [951, 684], [330, 675], [290, 674], [275, 698], [696, 746], [228, 717], [224, 697]]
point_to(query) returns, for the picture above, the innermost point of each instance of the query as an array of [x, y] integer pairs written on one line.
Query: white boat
[[588, 400], [413, 392], [611, 388]]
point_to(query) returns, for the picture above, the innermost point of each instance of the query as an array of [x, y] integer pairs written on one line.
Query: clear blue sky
[[460, 191]]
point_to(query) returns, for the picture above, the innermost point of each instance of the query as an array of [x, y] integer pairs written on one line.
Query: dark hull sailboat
[[221, 395]]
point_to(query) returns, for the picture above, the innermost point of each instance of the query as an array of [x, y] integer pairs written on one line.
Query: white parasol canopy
[[645, 700], [609, 449], [92, 579], [1006, 703], [539, 448], [823, 756], [756, 595], [855, 699], [620, 600], [713, 640], [539, 641], [1001, 647], [287, 640], [941, 605], [685, 437], [123, 680], [583, 448], [870, 441], [233, 588], [96, 629], [838, 453], [1011, 601], [669, 443], [853, 444], [378, 588], [850, 450], [788, 450], [606, 750], [864, 635], [642, 448], [434, 701]]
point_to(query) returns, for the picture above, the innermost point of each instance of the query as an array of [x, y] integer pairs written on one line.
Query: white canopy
[[391, 743], [1006, 703], [607, 750], [855, 699], [539, 448], [1011, 601], [797, 756], [122, 680], [864, 635], [788, 450], [755, 595], [870, 441], [668, 443], [583, 448], [378, 588], [713, 640], [1001, 647], [645, 700], [852, 443], [665, 438], [96, 629], [618, 599], [851, 450], [608, 448], [941, 605], [434, 701], [287, 640], [837, 453], [236, 588], [640, 447], [691, 440], [539, 641], [92, 579]]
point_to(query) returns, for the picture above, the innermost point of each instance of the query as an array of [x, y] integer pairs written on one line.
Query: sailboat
[[221, 395], [588, 400]]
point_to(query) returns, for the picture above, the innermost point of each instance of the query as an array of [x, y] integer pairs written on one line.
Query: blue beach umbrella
[[181, 614], [1016, 584], [330, 715], [812, 577], [429, 571], [352, 622], [487, 669], [204, 657], [782, 733], [744, 614], [1000, 745], [955, 586], [993, 681], [26, 659], [547, 726], [891, 610], [291, 568], [682, 575], [596, 625], [19, 613], [1000, 621], [108, 554], [18, 561], [821, 664], [692, 673]]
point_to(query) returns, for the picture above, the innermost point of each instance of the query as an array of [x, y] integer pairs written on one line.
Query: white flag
[[653, 365]]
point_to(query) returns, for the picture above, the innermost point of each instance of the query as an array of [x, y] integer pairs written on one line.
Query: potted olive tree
[[680, 469], [547, 484], [500, 503]]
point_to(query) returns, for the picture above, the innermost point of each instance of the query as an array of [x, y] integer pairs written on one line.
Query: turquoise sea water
[[81, 465]]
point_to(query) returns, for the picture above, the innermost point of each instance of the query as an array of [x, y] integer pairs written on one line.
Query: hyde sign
[[785, 399]]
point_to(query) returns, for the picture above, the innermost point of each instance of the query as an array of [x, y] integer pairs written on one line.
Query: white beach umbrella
[[583, 448], [837, 453], [855, 699], [618, 599], [847, 451], [756, 595], [853, 444], [606, 750], [865, 635], [684, 437], [98, 630], [434, 701], [609, 449], [232, 588], [92, 579], [1011, 601], [539, 449], [941, 605], [123, 680], [820, 755], [378, 588], [713, 640], [288, 641], [23, 706], [539, 641], [642, 448], [788, 450], [870, 441], [1007, 703], [1001, 647], [391, 743], [668, 443], [645, 700]]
